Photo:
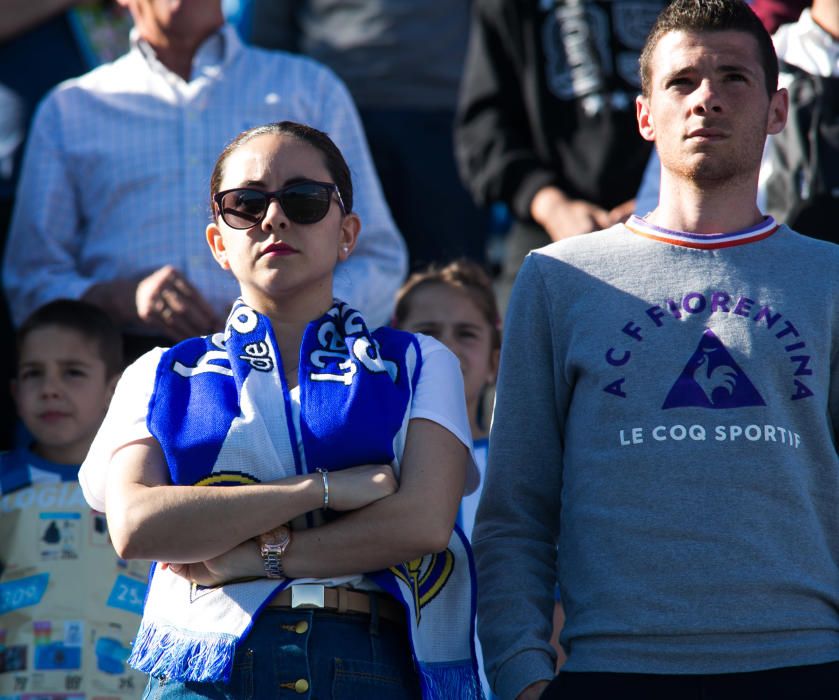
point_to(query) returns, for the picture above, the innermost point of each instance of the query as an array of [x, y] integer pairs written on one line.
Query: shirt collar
[[703, 241], [216, 51], [67, 472]]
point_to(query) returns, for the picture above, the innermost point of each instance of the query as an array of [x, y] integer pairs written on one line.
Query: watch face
[[272, 546], [275, 540]]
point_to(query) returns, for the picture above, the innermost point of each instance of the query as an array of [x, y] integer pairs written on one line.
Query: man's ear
[[350, 228], [778, 110], [216, 243], [645, 120]]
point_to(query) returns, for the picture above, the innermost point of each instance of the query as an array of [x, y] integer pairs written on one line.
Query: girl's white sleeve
[[441, 397]]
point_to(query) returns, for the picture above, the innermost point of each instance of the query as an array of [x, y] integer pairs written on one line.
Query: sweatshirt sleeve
[[833, 396], [493, 141], [518, 518]]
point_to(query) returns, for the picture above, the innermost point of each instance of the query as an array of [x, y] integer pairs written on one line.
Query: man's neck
[[687, 206], [177, 53]]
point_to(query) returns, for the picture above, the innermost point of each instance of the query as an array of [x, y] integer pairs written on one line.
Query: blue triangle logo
[[712, 379]]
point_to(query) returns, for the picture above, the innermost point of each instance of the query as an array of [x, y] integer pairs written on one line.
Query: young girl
[[456, 305], [330, 570]]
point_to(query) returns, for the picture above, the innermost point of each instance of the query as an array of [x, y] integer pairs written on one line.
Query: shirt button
[[301, 627], [301, 685]]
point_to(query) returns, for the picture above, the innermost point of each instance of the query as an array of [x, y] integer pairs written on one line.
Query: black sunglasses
[[304, 202]]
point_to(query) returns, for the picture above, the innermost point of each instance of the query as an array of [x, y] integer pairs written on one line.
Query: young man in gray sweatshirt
[[664, 438]]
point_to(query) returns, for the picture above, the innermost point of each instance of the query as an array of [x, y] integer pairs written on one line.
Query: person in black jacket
[[546, 120]]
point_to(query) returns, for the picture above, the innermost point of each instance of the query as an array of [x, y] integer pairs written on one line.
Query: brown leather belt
[[341, 600]]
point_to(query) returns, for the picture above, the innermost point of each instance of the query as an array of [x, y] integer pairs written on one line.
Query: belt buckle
[[307, 595]]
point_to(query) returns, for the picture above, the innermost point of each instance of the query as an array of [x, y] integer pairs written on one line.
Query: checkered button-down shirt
[[116, 175]]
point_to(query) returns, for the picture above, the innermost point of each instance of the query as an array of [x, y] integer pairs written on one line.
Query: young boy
[[67, 604]]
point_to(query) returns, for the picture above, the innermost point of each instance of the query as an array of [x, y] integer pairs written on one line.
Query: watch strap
[[272, 546]]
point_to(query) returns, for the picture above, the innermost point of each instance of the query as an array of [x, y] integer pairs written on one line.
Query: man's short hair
[[89, 321], [710, 16]]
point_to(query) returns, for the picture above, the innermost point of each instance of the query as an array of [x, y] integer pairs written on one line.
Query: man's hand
[[533, 691], [562, 217], [168, 303], [164, 302]]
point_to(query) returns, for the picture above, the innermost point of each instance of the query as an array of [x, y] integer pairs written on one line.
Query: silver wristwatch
[[272, 546]]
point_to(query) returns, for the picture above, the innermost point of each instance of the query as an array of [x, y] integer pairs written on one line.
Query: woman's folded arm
[[415, 521], [149, 518]]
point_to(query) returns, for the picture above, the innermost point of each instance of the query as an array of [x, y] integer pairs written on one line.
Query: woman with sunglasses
[[332, 569]]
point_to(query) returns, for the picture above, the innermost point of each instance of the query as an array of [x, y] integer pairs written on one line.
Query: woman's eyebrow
[[298, 178], [248, 183]]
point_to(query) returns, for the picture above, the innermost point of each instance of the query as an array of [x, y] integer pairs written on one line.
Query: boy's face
[[62, 392]]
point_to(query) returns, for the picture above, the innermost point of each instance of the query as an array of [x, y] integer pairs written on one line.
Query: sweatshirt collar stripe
[[709, 241]]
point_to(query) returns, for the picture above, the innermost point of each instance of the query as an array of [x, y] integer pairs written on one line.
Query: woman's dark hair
[[710, 16], [87, 320], [461, 274], [333, 159]]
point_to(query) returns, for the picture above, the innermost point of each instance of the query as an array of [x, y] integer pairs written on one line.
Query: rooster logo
[[712, 379]]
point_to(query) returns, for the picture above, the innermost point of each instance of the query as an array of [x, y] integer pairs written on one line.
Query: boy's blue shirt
[[21, 468]]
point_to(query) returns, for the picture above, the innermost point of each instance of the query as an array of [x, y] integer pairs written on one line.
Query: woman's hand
[[243, 561], [356, 487]]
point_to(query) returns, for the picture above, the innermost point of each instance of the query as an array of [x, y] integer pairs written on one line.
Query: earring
[[345, 248]]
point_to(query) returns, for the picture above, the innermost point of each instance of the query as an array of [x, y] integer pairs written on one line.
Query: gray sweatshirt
[[664, 443]]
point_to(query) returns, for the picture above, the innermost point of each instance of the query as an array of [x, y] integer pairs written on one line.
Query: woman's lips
[[279, 249]]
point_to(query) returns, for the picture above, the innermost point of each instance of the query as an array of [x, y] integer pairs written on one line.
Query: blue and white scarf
[[222, 413]]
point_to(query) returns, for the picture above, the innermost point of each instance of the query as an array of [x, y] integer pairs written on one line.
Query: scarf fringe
[[182, 655], [445, 681]]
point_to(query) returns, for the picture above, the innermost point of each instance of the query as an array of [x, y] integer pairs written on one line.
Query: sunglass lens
[[243, 208], [306, 202]]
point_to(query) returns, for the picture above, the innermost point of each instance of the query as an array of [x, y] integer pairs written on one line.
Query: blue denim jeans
[[314, 654]]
